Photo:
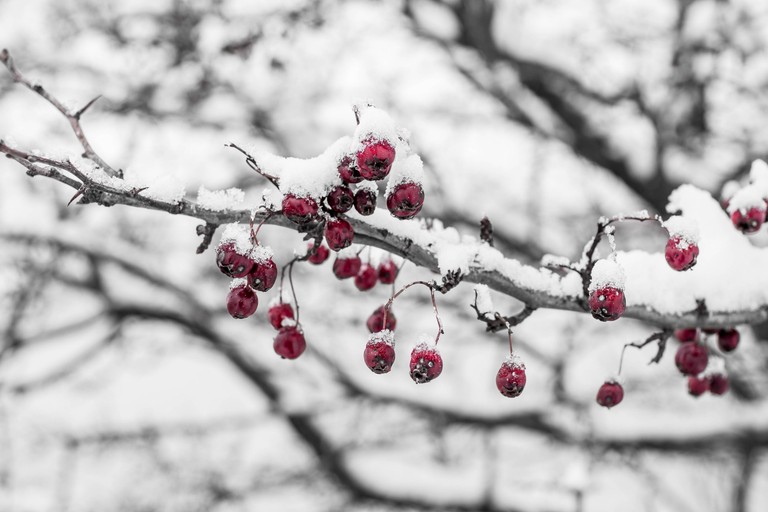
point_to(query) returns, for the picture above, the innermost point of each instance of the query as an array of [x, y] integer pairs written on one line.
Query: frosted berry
[[388, 272], [338, 234], [610, 393], [375, 322], [697, 386], [344, 268], [320, 255], [278, 313], [232, 263], [375, 159], [691, 358], [748, 221], [405, 200], [289, 342], [348, 172], [607, 303], [299, 210], [366, 278], [718, 384], [341, 199], [365, 201], [263, 275], [728, 339], [681, 254], [685, 335], [426, 364], [510, 379], [379, 355], [242, 301]]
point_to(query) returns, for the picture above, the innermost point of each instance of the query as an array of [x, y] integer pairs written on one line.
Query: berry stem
[[293, 289], [431, 287], [661, 337], [253, 165], [254, 234]]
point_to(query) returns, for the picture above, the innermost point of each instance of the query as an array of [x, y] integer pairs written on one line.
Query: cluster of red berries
[[693, 358], [252, 268]]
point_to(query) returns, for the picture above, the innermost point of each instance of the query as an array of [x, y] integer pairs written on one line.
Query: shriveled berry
[[681, 254], [320, 255], [338, 234], [748, 221], [341, 199], [728, 339], [365, 201], [697, 386], [289, 342], [375, 322], [607, 303], [242, 301], [685, 335], [510, 379], [366, 278], [379, 355], [263, 275], [426, 364], [348, 171], [299, 210], [610, 393], [718, 384], [375, 159], [344, 268], [405, 200], [232, 263], [388, 272], [279, 312], [691, 358]]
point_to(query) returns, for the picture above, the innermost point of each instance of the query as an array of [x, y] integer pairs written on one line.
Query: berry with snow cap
[[338, 234], [278, 313], [348, 172], [748, 221], [231, 262], [366, 278], [340, 199], [375, 159], [242, 301], [691, 358], [320, 255], [606, 291], [344, 268], [405, 200], [728, 339], [299, 210], [379, 353], [263, 275], [426, 363], [611, 393], [365, 201], [388, 272], [510, 379], [681, 254], [289, 342], [375, 322]]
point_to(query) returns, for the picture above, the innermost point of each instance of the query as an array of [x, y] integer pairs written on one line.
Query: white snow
[[409, 169], [484, 301], [220, 200], [684, 227], [385, 335], [241, 236], [747, 198], [375, 124], [607, 273]]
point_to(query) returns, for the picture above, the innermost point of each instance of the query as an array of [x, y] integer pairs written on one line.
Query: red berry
[[278, 313], [375, 159], [685, 335], [263, 275], [748, 221], [299, 210], [232, 263], [426, 364], [320, 255], [366, 278], [681, 254], [405, 200], [510, 379], [348, 172], [365, 201], [242, 301], [379, 354], [610, 393], [607, 303], [697, 386], [289, 342], [388, 272], [344, 268], [728, 339], [375, 322], [718, 384], [691, 358], [340, 199], [338, 234]]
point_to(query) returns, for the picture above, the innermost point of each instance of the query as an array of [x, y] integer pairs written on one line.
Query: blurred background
[[124, 383]]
